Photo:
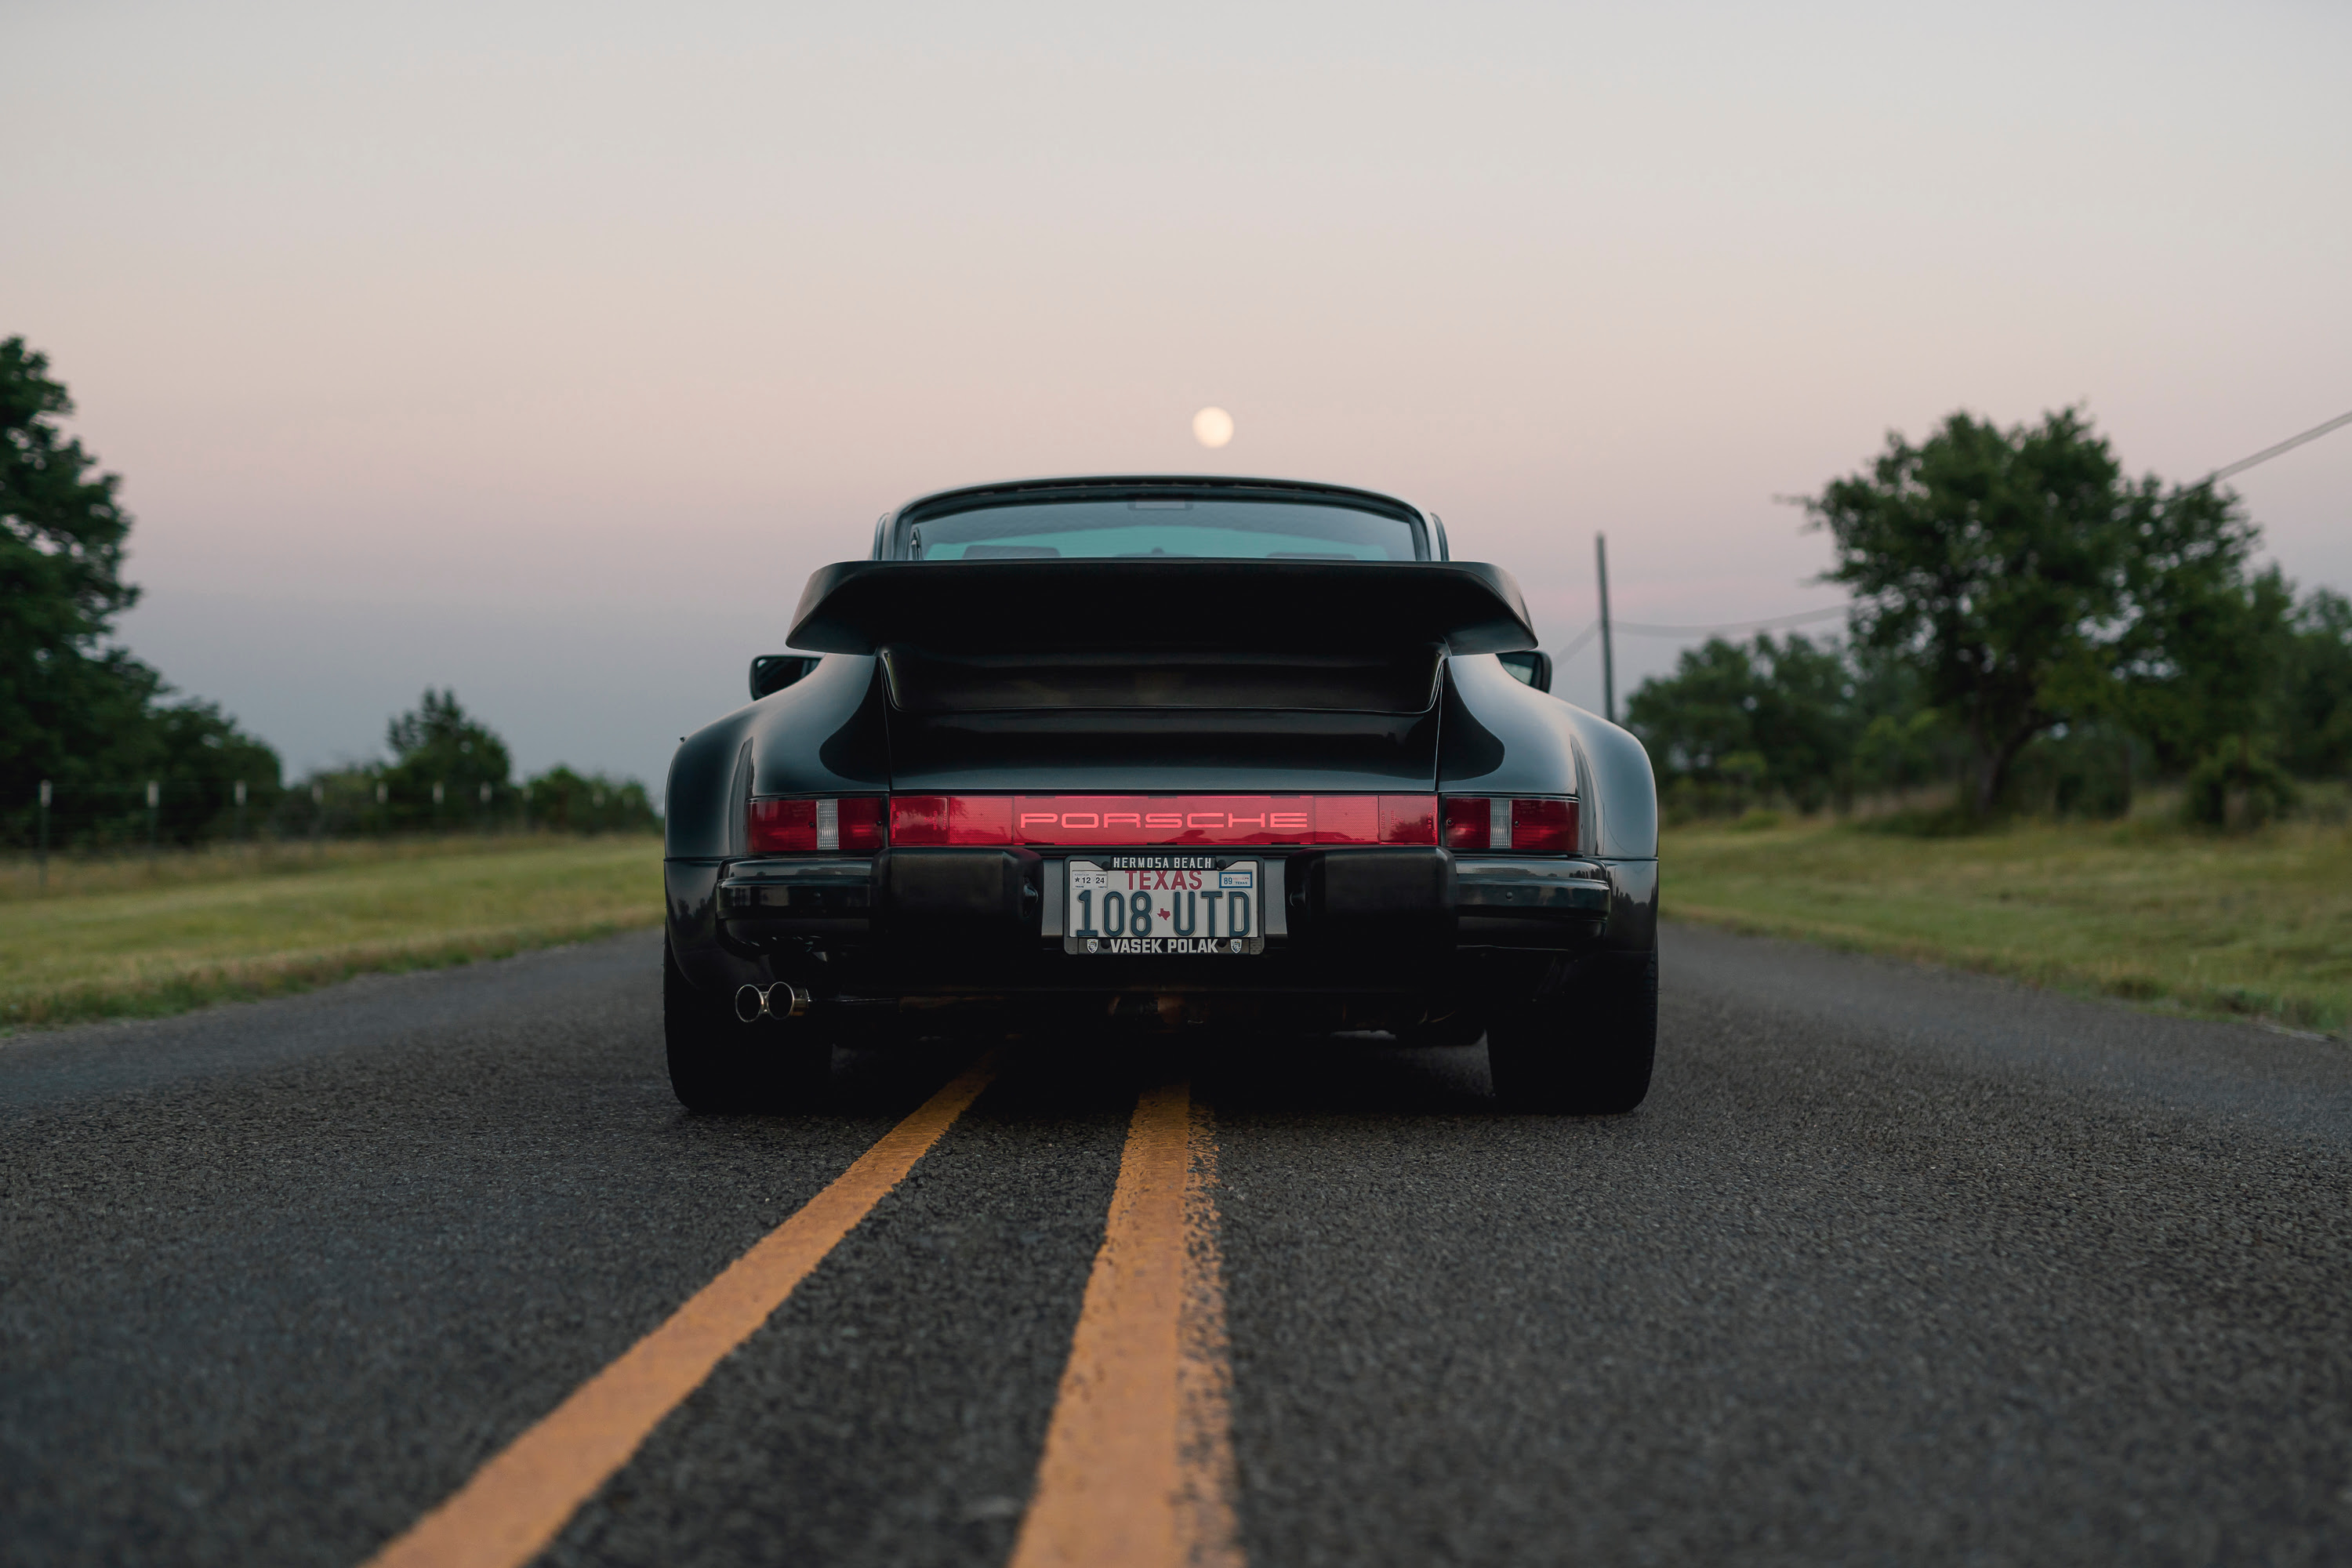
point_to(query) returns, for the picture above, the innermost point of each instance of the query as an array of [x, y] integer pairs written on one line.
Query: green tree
[[342, 801], [2019, 574], [2314, 715], [1733, 720], [591, 802], [1695, 720], [67, 705], [199, 756], [2202, 645], [439, 743], [87, 717]]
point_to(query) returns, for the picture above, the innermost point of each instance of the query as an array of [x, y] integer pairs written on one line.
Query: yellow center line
[[515, 1504], [1139, 1467]]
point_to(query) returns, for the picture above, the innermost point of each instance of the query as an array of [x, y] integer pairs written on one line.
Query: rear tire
[[1585, 1048], [720, 1066]]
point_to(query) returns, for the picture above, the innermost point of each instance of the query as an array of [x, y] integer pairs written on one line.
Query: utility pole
[[240, 813], [436, 807], [318, 818], [1608, 643], [154, 800], [45, 836]]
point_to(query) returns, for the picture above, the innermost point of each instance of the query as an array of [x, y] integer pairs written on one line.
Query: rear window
[[1209, 527]]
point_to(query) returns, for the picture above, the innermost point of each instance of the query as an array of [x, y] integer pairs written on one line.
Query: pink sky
[[542, 351]]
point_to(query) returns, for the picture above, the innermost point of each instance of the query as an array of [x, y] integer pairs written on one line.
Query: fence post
[[154, 803], [437, 809], [45, 836], [318, 819], [485, 808], [240, 812], [382, 817]]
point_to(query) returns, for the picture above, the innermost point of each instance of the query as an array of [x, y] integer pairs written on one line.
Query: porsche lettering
[[1291, 822]]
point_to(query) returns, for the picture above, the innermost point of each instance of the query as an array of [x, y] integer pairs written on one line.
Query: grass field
[[2257, 924], [131, 937]]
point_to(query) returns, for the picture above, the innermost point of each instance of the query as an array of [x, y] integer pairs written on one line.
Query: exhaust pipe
[[779, 1001]]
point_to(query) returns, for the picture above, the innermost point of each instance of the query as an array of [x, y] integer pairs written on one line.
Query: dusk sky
[[542, 350]]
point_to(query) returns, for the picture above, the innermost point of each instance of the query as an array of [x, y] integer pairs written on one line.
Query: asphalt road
[[1895, 1266]]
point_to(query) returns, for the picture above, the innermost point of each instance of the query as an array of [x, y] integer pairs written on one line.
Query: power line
[[1575, 645], [2267, 453], [1798, 618]]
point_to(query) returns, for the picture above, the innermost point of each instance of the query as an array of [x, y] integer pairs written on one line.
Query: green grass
[[128, 938], [2255, 924]]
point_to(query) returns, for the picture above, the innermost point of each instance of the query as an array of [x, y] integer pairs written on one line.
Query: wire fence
[[153, 815], [27, 877]]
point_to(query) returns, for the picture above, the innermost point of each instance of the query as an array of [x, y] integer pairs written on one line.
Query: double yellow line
[[1137, 1467], [1138, 1463]]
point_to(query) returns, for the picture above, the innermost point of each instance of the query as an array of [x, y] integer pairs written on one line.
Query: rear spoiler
[[1140, 605]]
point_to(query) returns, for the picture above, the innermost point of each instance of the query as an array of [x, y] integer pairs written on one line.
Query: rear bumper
[[1017, 891], [1355, 937]]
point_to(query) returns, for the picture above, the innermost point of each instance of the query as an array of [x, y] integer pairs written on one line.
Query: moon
[[1213, 427]]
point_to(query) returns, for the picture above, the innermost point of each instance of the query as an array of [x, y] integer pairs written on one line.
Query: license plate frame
[[1174, 886]]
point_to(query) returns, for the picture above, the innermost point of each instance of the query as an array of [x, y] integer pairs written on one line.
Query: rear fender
[[1504, 737], [822, 734]]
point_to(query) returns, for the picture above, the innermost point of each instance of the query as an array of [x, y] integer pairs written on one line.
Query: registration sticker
[[1164, 906]]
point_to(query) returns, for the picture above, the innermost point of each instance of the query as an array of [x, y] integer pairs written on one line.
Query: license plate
[[1164, 905]]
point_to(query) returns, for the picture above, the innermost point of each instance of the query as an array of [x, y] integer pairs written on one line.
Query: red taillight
[[1469, 822], [1543, 827], [798, 826], [1498, 823], [951, 818], [779, 827], [1409, 820], [861, 823], [1340, 818], [979, 819], [921, 819], [918, 819]]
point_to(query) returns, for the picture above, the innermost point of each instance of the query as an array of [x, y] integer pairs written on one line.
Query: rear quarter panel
[[1504, 737], [822, 734]]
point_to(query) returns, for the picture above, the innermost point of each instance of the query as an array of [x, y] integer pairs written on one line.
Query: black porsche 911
[[1146, 753]]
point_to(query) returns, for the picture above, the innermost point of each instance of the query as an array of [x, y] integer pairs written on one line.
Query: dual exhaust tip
[[779, 1001]]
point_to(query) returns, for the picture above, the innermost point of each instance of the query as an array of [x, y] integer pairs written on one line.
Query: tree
[[1774, 717], [200, 756], [2315, 717], [1791, 719], [2019, 572], [2202, 645], [570, 802], [439, 743], [67, 705]]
